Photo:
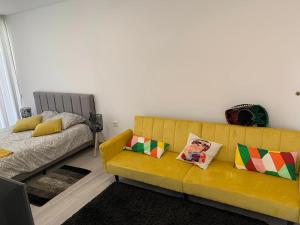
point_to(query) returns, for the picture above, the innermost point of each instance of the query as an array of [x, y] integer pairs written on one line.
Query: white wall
[[176, 58]]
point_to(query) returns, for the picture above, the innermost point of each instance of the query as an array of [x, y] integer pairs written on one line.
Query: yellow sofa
[[221, 182]]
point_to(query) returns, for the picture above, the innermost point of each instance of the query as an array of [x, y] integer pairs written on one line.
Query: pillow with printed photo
[[199, 151]]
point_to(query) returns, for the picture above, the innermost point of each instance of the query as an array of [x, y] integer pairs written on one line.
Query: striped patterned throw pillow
[[280, 164]]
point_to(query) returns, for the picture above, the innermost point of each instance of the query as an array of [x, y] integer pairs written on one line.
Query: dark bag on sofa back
[[247, 115]]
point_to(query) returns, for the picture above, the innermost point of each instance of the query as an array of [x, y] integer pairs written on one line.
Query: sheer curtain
[[9, 92]]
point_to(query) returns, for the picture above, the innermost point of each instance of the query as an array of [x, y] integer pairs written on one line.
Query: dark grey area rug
[[123, 204], [43, 188]]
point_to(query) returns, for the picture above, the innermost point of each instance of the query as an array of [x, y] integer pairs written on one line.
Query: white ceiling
[[14, 6]]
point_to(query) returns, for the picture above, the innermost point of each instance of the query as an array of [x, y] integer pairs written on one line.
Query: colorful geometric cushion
[[198, 151], [147, 146], [275, 163]]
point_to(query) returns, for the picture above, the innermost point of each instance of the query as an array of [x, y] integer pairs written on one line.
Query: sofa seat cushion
[[166, 172], [222, 182]]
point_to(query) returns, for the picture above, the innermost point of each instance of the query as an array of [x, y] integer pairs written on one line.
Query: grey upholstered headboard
[[81, 104]]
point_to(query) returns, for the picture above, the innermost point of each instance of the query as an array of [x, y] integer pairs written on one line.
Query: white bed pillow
[[199, 151], [68, 119], [48, 114]]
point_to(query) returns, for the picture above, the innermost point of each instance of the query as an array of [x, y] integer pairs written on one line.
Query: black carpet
[[123, 204], [43, 188]]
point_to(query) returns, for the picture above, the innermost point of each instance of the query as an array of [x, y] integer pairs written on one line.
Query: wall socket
[[115, 123]]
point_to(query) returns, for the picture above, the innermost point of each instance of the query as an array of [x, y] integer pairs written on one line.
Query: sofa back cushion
[[175, 132]]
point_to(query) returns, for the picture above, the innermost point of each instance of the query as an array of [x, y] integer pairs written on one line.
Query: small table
[[99, 138]]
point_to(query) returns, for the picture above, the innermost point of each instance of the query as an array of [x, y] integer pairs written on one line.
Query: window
[[9, 94]]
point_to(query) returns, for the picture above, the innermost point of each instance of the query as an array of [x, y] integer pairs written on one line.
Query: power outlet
[[115, 123]]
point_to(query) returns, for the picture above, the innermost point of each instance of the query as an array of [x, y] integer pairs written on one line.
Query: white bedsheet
[[31, 153]]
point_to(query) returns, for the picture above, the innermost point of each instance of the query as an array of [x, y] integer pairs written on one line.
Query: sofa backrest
[[175, 132]]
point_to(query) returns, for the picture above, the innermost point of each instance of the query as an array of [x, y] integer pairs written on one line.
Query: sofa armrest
[[113, 146]]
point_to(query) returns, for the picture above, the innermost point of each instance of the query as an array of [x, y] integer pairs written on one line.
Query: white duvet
[[30, 153]]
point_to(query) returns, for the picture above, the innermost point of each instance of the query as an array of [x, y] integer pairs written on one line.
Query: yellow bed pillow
[[27, 123], [48, 127]]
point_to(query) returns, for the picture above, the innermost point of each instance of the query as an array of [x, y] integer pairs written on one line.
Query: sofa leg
[[289, 223], [185, 196], [44, 172], [117, 178]]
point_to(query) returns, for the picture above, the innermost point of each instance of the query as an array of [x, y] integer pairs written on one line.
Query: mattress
[[30, 153]]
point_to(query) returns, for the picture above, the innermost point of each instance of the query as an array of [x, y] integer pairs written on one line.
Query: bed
[[33, 155]]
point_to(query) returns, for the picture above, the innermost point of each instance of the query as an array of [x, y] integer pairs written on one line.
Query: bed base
[[43, 169]]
